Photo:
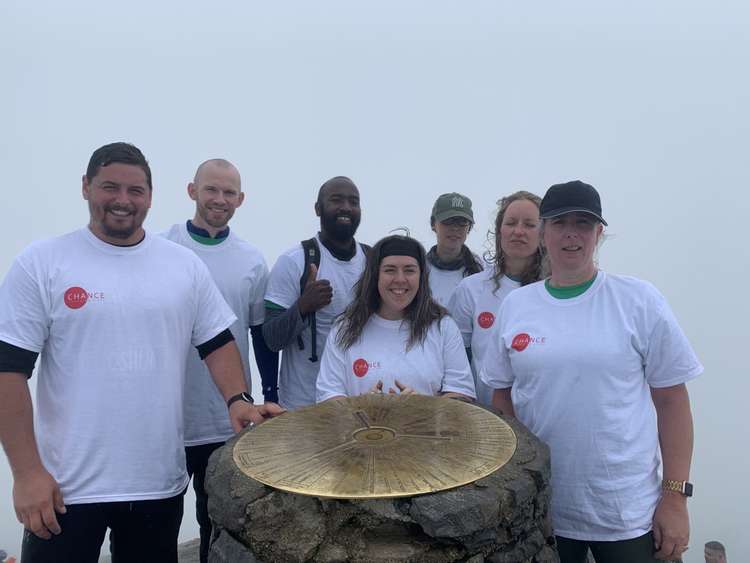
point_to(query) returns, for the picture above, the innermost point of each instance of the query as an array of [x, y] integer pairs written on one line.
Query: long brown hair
[[534, 271], [420, 313]]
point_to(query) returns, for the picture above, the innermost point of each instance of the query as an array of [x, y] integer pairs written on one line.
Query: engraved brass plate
[[376, 446]]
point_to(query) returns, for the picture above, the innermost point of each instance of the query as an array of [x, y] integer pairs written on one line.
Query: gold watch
[[683, 487]]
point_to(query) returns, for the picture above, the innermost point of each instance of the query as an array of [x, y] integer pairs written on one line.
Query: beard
[[339, 231], [121, 231], [114, 232], [216, 223]]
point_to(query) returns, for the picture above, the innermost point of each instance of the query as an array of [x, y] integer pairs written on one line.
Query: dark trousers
[[196, 459], [637, 550], [144, 531]]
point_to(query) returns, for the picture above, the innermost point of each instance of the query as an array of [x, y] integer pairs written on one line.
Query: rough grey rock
[[189, 552], [226, 549], [502, 518]]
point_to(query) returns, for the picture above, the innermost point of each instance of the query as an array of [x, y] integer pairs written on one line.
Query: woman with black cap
[[595, 364], [450, 260], [394, 337]]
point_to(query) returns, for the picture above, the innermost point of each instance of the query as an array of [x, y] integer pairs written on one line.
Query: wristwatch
[[240, 397], [683, 487]]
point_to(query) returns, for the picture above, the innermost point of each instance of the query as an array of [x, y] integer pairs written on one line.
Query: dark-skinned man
[[295, 316], [113, 311]]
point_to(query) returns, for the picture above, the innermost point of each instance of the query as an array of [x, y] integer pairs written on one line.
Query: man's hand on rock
[[241, 413]]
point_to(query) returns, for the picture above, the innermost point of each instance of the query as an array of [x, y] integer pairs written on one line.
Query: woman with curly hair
[[394, 337], [516, 261]]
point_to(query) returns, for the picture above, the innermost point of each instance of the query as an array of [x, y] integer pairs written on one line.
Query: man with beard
[[241, 274], [114, 311], [292, 314]]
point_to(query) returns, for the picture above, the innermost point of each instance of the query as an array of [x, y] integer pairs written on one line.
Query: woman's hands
[[402, 389]]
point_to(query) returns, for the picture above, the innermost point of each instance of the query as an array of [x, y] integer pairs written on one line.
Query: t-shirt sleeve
[[494, 366], [460, 308], [457, 377], [24, 310], [212, 315], [332, 375], [669, 358], [283, 282], [257, 308]]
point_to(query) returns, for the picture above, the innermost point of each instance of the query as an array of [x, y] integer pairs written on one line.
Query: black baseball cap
[[571, 197]]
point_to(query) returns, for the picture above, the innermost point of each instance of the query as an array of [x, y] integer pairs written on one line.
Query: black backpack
[[312, 256]]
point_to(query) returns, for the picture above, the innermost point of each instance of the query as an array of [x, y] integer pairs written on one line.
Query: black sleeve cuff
[[215, 343], [268, 364], [16, 360]]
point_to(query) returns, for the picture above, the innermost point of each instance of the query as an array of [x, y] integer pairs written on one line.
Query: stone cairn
[[501, 518]]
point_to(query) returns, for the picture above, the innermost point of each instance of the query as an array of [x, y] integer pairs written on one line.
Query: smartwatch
[[240, 397], [683, 487]]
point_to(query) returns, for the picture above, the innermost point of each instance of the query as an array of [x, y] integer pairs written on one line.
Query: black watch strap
[[240, 397]]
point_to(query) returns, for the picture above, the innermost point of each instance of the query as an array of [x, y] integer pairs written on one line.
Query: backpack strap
[[311, 252]]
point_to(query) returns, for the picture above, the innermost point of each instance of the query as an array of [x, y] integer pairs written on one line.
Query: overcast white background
[[648, 101]]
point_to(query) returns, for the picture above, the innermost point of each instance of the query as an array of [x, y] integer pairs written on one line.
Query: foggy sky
[[646, 101]]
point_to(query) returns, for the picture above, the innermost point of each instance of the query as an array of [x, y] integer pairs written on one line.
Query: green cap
[[452, 205]]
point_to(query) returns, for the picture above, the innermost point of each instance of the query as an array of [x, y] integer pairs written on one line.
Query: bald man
[[714, 552], [240, 272]]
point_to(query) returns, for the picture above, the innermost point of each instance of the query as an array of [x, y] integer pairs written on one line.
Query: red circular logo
[[486, 319], [75, 297], [360, 367], [520, 341]]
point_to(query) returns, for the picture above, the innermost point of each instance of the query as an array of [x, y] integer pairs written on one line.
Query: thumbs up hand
[[317, 293], [312, 274]]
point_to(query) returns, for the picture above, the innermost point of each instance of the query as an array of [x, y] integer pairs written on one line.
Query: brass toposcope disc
[[376, 446]]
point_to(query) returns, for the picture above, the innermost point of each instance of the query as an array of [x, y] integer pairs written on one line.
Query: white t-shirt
[[474, 306], [113, 325], [298, 374], [241, 274], [581, 371], [444, 282], [438, 364]]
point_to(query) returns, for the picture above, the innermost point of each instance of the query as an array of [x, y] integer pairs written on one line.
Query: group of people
[[144, 344]]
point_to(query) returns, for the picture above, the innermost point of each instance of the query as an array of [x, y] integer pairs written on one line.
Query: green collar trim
[[206, 240], [570, 291], [271, 305]]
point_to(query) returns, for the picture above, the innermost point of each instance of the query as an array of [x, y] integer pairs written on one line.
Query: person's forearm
[[501, 401], [460, 396], [17, 424], [282, 326], [675, 423], [268, 364], [225, 366]]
